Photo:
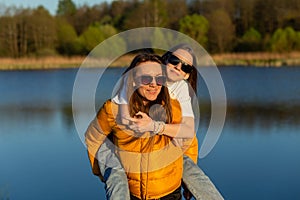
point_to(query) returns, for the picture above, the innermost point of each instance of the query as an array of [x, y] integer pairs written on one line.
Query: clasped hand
[[141, 123]]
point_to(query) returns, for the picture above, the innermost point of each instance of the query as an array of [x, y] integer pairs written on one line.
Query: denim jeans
[[116, 184], [197, 182], [175, 195], [115, 179]]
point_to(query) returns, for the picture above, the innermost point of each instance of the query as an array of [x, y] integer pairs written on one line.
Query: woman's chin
[[151, 97]]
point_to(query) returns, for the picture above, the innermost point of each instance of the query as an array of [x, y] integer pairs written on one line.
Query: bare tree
[[147, 13], [9, 37], [43, 32]]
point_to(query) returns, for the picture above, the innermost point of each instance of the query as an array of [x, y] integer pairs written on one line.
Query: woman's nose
[[153, 82]]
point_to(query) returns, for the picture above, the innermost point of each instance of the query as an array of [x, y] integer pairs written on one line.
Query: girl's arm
[[144, 123], [183, 130]]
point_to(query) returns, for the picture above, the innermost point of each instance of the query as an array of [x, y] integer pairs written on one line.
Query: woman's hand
[[178, 142]]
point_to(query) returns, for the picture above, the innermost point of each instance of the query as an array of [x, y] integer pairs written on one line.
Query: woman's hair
[[162, 110], [193, 75]]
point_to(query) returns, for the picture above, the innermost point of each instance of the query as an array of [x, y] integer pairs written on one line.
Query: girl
[[182, 84]]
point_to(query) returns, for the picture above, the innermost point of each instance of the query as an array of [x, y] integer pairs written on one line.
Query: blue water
[[256, 157]]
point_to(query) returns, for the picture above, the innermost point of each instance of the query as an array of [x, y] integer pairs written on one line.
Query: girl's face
[[149, 79], [178, 65]]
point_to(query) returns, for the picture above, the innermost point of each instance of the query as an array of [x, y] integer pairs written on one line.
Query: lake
[[256, 156]]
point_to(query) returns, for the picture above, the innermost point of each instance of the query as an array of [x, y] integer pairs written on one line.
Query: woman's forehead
[[151, 68]]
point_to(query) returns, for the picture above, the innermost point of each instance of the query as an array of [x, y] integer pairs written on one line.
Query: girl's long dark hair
[[193, 75], [162, 110]]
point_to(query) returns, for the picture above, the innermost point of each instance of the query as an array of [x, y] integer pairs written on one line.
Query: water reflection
[[35, 119], [4, 192], [264, 116], [248, 117], [67, 116], [241, 116]]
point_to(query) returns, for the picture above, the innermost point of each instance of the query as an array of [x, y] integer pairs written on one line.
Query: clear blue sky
[[50, 5]]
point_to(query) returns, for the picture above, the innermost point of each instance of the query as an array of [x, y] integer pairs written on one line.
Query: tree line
[[218, 25]]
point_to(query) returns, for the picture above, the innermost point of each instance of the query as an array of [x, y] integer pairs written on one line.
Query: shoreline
[[257, 59]]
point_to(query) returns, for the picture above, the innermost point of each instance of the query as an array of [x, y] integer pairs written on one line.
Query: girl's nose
[[178, 66]]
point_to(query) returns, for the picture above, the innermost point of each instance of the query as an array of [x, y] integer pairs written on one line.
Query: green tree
[[250, 41], [195, 26], [221, 32], [65, 8], [297, 45], [284, 40], [162, 40], [67, 39], [95, 34]]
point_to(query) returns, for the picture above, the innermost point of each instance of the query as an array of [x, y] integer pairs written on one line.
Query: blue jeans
[[197, 182], [113, 174], [116, 184]]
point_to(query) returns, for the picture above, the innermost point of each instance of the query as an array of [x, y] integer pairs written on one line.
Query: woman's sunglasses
[[146, 80], [174, 60]]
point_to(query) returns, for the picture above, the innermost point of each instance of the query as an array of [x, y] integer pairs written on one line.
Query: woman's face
[[177, 71], [149, 79]]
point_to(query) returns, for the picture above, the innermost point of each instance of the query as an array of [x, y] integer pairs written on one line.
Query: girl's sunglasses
[[146, 80], [174, 60]]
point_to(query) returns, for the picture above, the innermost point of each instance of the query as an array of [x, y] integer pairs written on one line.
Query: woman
[[153, 165]]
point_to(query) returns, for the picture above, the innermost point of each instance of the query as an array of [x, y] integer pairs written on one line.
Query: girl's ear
[[186, 76]]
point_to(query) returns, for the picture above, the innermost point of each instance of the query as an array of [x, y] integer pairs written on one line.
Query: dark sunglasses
[[146, 79], [174, 60]]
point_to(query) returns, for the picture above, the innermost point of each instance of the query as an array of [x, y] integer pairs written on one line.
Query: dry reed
[[58, 62]]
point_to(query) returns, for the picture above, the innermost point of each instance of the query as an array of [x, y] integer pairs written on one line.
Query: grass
[[40, 63], [54, 62], [236, 59], [264, 59]]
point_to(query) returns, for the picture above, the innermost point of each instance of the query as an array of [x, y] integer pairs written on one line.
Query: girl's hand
[[141, 123]]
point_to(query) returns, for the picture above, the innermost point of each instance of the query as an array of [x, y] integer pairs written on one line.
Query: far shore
[[259, 59]]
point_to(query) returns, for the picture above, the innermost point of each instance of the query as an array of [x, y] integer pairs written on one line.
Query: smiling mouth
[[152, 91]]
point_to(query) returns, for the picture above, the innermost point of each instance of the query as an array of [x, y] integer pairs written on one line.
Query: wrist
[[158, 127]]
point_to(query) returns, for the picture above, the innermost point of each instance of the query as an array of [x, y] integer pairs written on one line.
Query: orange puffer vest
[[153, 164]]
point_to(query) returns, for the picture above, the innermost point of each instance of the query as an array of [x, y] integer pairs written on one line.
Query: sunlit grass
[[54, 62], [39, 63], [230, 59], [258, 59]]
